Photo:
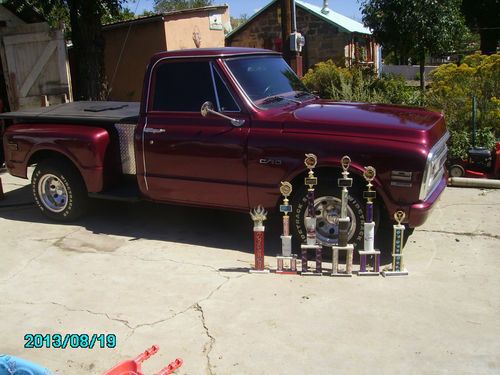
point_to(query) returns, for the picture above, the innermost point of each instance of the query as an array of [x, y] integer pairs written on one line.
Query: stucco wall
[[175, 31], [143, 41], [183, 29]]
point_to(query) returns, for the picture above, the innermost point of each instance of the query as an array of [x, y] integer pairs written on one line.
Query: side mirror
[[208, 108]]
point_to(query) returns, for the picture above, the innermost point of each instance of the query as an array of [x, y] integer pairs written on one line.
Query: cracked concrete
[[176, 277]]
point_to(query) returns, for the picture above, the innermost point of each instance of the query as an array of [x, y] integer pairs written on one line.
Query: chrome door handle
[[153, 130]]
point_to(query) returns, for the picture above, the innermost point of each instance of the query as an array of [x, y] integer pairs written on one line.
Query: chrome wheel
[[52, 193], [327, 216]]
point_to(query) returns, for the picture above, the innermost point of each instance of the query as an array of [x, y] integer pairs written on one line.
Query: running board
[[125, 193]]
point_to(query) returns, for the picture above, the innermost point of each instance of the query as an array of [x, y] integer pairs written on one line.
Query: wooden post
[[292, 58], [286, 28]]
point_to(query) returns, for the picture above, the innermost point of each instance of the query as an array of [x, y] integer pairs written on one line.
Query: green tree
[[171, 5], [483, 16], [235, 22], [415, 27], [83, 20]]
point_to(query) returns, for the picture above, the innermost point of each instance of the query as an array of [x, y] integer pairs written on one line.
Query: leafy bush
[[359, 84], [451, 90]]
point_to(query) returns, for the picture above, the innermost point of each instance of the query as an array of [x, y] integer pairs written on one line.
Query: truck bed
[[80, 112]]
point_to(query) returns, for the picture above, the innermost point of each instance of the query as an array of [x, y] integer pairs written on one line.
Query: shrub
[[451, 90], [359, 84]]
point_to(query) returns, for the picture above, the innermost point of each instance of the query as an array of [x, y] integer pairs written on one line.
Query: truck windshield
[[268, 81]]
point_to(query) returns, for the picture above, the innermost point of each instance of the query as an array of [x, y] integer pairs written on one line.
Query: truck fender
[[84, 146]]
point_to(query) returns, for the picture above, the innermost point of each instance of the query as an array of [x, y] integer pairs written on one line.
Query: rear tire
[[59, 190]]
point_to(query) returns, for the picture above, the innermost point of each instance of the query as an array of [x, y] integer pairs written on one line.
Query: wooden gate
[[35, 66]]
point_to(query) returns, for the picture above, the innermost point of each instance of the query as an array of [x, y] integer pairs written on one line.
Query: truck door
[[189, 158]]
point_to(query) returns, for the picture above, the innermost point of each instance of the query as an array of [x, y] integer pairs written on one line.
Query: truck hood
[[391, 122]]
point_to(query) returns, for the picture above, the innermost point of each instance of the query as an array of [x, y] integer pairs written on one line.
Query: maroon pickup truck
[[221, 128]]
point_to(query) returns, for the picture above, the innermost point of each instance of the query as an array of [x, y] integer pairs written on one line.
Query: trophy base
[[259, 271], [404, 272], [376, 267], [282, 270], [349, 249], [341, 274], [311, 273]]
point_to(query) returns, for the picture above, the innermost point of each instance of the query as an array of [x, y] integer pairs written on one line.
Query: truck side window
[[183, 86], [226, 101]]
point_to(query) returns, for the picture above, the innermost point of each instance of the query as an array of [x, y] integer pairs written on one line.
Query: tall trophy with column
[[398, 268], [258, 215], [286, 262], [343, 236], [310, 221], [369, 250]]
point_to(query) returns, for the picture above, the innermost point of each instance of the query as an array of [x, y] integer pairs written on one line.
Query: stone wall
[[261, 32], [323, 40]]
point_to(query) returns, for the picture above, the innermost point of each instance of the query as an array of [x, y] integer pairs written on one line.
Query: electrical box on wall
[[297, 41]]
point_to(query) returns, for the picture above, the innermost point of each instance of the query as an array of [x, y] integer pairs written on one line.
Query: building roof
[[161, 16], [336, 19], [346, 24]]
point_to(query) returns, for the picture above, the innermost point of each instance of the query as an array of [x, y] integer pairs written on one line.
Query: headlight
[[434, 168]]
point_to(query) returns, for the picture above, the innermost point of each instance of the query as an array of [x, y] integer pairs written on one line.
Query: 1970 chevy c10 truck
[[221, 128]]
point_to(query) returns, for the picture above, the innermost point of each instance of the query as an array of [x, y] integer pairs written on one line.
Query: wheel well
[[38, 156], [41, 155]]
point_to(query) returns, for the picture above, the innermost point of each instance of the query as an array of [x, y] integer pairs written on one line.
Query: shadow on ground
[[161, 222]]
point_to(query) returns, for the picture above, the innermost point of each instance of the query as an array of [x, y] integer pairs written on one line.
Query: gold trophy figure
[[398, 268], [310, 220], [286, 238]]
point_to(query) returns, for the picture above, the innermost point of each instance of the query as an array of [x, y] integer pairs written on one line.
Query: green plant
[[458, 144], [359, 84], [451, 90]]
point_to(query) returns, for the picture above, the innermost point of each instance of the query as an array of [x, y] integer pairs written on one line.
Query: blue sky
[[349, 8]]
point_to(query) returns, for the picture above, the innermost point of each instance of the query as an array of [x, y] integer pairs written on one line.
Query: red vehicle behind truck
[[221, 128]]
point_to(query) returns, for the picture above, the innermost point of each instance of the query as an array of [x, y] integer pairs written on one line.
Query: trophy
[[344, 182], [398, 268], [286, 238], [369, 227], [310, 221], [258, 215]]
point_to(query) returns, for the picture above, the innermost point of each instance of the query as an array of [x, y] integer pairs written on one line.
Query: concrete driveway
[[176, 277]]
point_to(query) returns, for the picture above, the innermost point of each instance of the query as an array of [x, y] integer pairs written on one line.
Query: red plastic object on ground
[[133, 366]]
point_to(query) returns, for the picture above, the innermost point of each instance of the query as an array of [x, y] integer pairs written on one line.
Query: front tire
[[328, 204], [59, 190]]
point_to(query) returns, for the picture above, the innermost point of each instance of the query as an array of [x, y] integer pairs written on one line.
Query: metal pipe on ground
[[474, 182]]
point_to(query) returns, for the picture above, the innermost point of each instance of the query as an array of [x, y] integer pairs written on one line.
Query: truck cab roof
[[213, 52]]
